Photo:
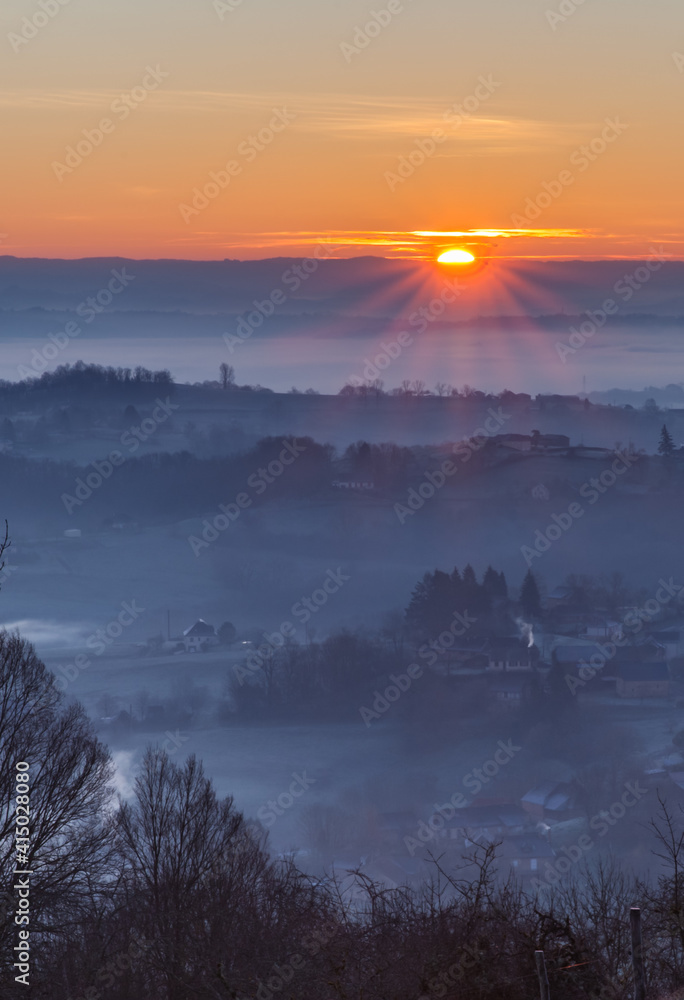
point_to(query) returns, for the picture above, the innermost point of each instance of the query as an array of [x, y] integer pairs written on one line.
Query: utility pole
[[544, 990]]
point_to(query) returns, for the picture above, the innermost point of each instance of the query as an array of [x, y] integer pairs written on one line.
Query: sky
[[256, 128]]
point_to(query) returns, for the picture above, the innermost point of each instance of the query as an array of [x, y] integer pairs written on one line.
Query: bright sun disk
[[456, 257]]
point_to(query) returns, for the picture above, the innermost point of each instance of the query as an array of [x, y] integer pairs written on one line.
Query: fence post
[[637, 954], [544, 990]]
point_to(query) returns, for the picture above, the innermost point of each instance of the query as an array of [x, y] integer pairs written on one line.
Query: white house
[[199, 636]]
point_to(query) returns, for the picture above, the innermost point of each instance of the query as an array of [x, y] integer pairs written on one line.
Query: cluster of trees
[[223, 462], [82, 377], [609, 594], [328, 679], [173, 893], [165, 485], [417, 387], [439, 596]]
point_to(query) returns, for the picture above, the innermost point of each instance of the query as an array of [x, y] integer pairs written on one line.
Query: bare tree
[[4, 545], [200, 889], [227, 375], [669, 899], [68, 776]]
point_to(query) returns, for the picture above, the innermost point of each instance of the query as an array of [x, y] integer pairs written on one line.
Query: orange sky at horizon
[[218, 131]]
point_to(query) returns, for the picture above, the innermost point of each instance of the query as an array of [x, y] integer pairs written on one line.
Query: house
[[513, 442], [642, 679], [575, 655], [602, 628], [511, 654], [584, 663], [551, 442], [551, 800], [199, 636], [509, 398]]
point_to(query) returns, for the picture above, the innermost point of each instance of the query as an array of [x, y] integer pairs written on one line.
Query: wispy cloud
[[426, 244], [340, 115], [505, 233], [418, 244]]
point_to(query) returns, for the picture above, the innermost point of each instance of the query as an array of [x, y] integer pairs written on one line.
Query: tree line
[[172, 893], [82, 377]]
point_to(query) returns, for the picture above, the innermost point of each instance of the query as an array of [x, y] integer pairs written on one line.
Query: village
[[630, 668], [627, 667]]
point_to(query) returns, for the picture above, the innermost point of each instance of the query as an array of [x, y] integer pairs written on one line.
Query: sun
[[456, 257]]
